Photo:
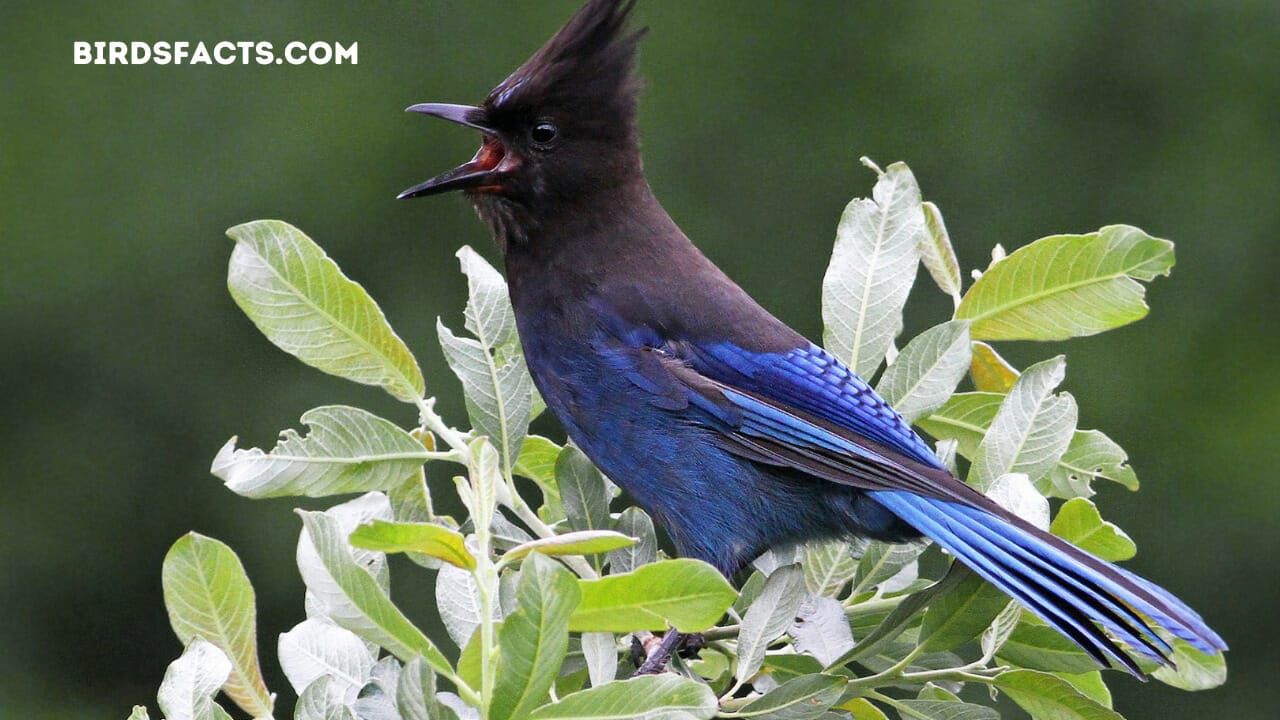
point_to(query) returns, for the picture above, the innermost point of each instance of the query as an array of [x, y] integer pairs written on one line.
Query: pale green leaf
[[800, 698], [600, 650], [208, 595], [828, 565], [458, 602], [323, 699], [768, 617], [995, 636], [416, 694], [355, 598], [881, 561], [426, 538], [302, 302], [990, 372], [1079, 522], [1015, 493], [583, 492], [1196, 670], [1048, 696], [926, 372], [139, 713], [1091, 455], [191, 682], [498, 394], [348, 450], [936, 253], [821, 629], [962, 614], [582, 542], [635, 523], [534, 639], [872, 268], [1067, 286], [650, 697], [687, 594], [1031, 430], [315, 648]]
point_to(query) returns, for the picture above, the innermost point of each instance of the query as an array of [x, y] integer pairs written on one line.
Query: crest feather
[[587, 69]]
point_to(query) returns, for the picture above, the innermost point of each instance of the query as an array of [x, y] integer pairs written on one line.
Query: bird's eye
[[544, 133]]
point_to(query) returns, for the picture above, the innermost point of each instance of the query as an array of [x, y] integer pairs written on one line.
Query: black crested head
[[557, 131]]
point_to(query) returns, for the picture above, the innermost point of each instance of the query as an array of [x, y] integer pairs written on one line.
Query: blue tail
[[1065, 586]]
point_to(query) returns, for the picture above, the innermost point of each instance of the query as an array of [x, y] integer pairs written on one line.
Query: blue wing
[[804, 409]]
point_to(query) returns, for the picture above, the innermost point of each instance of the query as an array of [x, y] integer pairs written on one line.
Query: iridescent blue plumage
[[732, 430]]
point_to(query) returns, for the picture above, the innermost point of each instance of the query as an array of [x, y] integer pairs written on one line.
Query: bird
[[732, 430]]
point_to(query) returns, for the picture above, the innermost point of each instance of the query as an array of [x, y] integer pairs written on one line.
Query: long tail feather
[[1066, 587]]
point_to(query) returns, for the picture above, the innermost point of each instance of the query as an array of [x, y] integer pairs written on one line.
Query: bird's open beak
[[483, 173]]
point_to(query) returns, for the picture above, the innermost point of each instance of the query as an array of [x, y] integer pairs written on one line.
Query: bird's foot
[[658, 654]]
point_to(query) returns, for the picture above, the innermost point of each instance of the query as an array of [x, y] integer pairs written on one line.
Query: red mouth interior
[[490, 154]]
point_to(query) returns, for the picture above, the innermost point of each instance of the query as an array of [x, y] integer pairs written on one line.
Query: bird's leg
[[657, 660]]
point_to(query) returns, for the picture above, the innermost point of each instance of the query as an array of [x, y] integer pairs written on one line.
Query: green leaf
[[902, 616], [687, 594], [191, 681], [1196, 670], [828, 565], [139, 713], [348, 450], [1079, 522], [958, 616], [926, 372], [862, 709], [1048, 696], [807, 696], [209, 596], [533, 639], [990, 372], [883, 560], [937, 254], [1067, 286], [964, 418], [994, 637], [315, 648], [944, 710], [635, 523], [1090, 456], [650, 697], [416, 694], [1091, 685], [1035, 646], [582, 491], [768, 617], [872, 268], [1030, 431], [426, 538], [537, 461], [355, 599], [303, 303], [583, 542]]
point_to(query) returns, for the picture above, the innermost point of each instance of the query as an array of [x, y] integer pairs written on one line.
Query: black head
[[559, 129]]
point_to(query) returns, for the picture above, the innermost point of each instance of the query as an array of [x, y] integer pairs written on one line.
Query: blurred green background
[[125, 365]]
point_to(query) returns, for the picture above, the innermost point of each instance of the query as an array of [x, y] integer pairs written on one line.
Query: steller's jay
[[733, 431]]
